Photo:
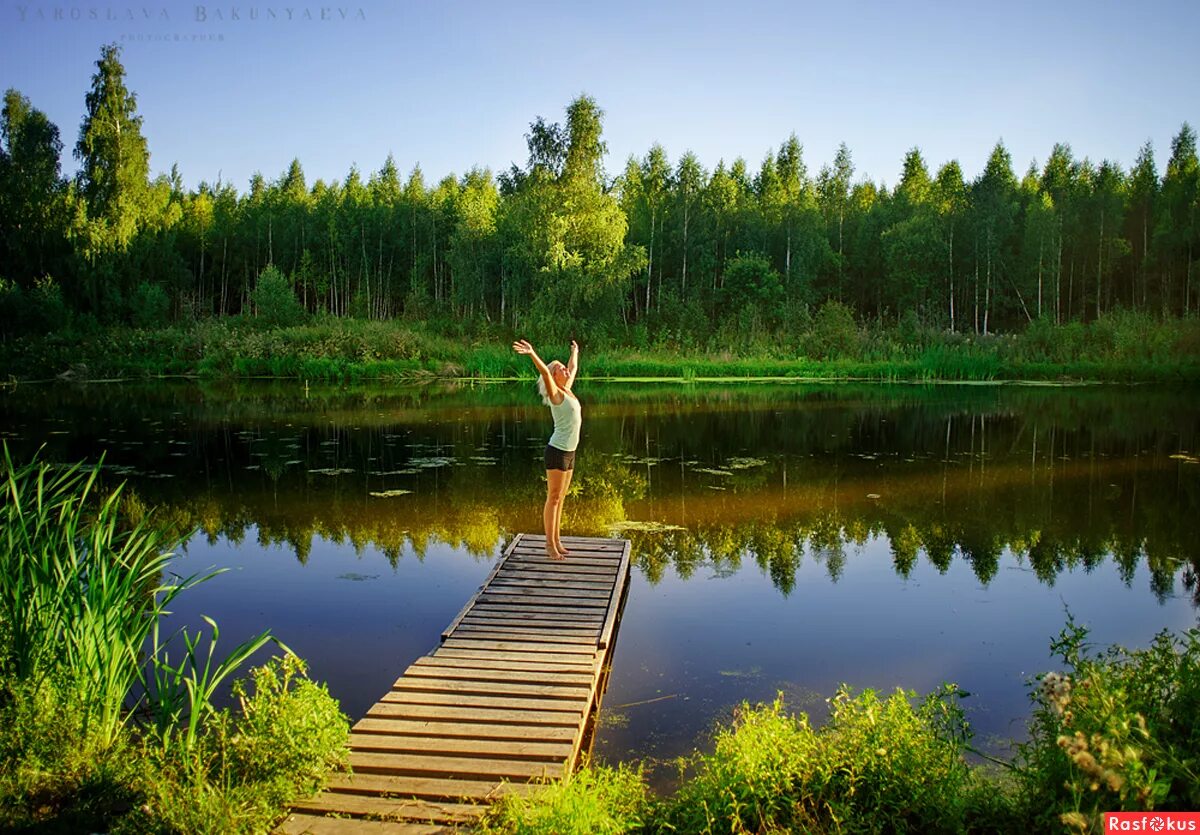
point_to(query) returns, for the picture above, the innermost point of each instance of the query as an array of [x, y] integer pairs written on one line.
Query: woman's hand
[[523, 347]]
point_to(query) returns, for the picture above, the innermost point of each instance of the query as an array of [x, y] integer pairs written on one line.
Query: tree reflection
[[700, 478]]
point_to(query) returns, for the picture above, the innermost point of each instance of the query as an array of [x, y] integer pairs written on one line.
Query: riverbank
[[1111, 731], [1125, 348]]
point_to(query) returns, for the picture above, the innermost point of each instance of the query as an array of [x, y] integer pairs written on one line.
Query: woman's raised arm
[[522, 346], [573, 363]]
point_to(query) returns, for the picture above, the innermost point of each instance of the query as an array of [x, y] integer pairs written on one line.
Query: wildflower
[[1074, 820]]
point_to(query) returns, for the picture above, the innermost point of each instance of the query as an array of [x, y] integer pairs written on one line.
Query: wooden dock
[[502, 704]]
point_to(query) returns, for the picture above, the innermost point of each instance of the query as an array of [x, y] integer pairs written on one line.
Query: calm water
[[786, 537]]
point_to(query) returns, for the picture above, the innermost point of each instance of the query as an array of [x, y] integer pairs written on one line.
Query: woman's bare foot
[[562, 550], [552, 554]]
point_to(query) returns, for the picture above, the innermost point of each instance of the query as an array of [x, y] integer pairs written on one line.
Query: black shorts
[[556, 459]]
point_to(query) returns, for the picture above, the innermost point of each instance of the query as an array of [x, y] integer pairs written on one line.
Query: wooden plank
[[430, 787], [386, 807], [456, 730], [581, 541], [510, 580], [595, 559], [552, 626], [552, 580], [579, 549], [491, 748], [495, 569], [500, 633], [518, 590], [587, 578], [467, 768], [545, 600], [302, 824], [523, 627], [476, 715], [545, 622], [567, 652], [421, 697], [557, 567], [474, 657], [578, 557], [527, 661], [618, 590], [457, 685], [492, 670], [587, 617]]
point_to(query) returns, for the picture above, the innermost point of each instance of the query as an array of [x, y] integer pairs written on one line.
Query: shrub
[[149, 306], [750, 782], [246, 766], [600, 800], [834, 334], [1115, 731], [274, 299], [886, 765], [56, 773], [876, 766]]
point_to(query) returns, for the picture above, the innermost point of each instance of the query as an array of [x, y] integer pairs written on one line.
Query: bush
[[834, 334], [1115, 731], [876, 766], [599, 800], [56, 773], [275, 301], [750, 782], [149, 306], [247, 766]]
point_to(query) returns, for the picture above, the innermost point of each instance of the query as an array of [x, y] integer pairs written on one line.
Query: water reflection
[[786, 537], [770, 475]]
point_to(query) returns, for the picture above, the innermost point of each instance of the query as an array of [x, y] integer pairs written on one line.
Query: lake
[[786, 537]]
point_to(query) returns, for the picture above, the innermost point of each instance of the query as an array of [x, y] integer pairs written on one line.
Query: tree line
[[558, 245]]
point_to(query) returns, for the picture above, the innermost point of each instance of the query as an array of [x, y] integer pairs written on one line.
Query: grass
[[1122, 347], [98, 729]]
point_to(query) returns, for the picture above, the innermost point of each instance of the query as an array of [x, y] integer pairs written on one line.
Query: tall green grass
[[79, 595], [96, 717]]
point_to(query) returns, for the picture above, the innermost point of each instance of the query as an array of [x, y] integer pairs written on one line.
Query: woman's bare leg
[[550, 514], [558, 515]]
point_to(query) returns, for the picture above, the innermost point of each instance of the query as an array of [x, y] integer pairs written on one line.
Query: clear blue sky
[[454, 83]]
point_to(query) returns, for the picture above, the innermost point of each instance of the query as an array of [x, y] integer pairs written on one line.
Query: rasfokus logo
[[1152, 822]]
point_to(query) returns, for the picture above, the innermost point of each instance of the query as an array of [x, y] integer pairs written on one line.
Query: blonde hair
[[541, 382]]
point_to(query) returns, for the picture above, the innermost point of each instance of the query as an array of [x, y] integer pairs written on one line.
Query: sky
[[229, 90]]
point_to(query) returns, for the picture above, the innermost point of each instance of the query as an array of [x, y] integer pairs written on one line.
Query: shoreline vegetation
[[109, 716], [1121, 347], [1111, 730]]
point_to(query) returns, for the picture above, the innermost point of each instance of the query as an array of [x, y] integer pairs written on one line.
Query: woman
[[554, 384]]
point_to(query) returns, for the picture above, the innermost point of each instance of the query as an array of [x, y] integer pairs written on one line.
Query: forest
[[662, 251]]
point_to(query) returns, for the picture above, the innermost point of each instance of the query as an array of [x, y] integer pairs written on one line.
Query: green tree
[[949, 203], [473, 247], [688, 183], [114, 164], [1040, 226], [833, 190], [32, 192], [1142, 196], [1108, 208], [1176, 233], [995, 205]]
